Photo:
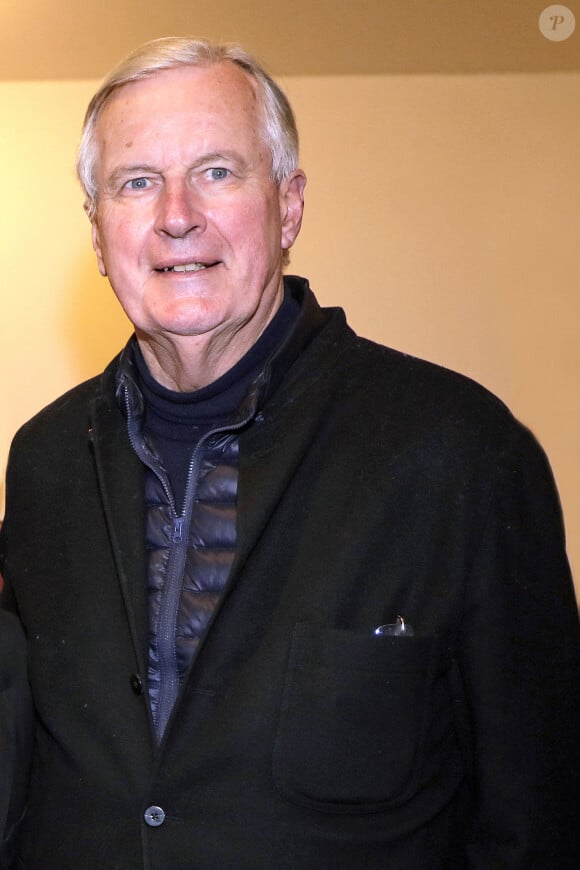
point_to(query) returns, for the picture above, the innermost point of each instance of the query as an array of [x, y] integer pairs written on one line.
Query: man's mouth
[[185, 267]]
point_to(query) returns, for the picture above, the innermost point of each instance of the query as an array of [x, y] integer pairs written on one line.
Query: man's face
[[189, 226]]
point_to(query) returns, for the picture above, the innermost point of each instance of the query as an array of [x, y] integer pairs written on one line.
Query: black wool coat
[[371, 486]]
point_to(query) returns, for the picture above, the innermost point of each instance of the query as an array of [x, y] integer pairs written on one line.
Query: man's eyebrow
[[213, 156]]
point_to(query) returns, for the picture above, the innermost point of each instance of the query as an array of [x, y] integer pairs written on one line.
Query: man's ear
[[97, 246], [291, 193]]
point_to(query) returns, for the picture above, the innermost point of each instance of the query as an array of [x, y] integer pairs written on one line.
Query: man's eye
[[217, 173], [138, 184]]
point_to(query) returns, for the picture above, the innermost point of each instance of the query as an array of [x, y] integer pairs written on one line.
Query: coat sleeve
[[7, 600], [520, 664], [16, 733]]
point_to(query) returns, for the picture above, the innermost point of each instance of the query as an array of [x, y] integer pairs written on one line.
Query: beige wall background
[[443, 213]]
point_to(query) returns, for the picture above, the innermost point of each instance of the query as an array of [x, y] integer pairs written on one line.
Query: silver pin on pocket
[[399, 628]]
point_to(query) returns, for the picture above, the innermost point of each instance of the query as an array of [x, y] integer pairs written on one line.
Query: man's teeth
[[187, 267]]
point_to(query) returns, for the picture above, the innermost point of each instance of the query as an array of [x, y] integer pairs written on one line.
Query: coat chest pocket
[[357, 716]]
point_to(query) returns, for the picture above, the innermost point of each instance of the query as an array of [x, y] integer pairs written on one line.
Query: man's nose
[[179, 209]]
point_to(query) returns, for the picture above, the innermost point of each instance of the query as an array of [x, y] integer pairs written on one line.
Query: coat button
[[136, 684], [154, 816]]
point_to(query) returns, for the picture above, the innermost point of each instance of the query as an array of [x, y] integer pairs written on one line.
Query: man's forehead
[[225, 77], [181, 115]]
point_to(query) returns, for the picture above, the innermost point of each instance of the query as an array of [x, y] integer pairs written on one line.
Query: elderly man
[[293, 600]]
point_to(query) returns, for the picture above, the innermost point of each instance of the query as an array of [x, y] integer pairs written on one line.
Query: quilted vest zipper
[[169, 682]]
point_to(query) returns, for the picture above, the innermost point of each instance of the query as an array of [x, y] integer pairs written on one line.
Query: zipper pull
[[177, 533]]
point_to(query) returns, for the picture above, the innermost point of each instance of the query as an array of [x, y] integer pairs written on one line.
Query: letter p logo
[[557, 23]]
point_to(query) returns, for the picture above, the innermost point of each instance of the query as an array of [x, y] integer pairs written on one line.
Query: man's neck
[[185, 363]]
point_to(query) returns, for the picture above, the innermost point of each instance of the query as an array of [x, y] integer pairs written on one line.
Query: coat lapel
[[120, 475], [272, 450]]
